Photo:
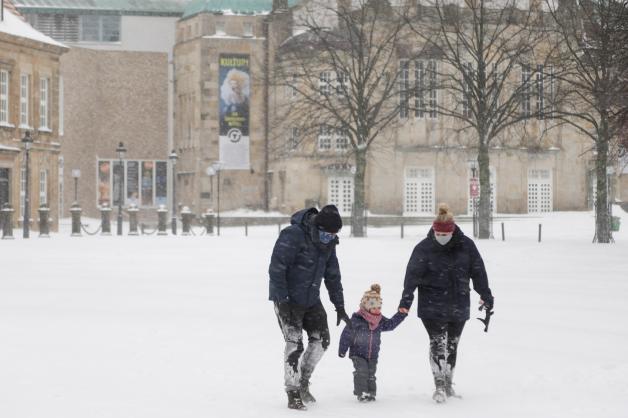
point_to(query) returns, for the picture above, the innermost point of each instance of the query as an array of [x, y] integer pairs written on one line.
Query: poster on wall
[[147, 183], [132, 182], [118, 182], [235, 92], [104, 188], [161, 182]]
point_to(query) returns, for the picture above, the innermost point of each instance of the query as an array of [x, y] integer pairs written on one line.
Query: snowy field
[[179, 327]]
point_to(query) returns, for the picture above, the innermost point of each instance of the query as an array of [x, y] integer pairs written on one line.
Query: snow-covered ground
[[179, 327]]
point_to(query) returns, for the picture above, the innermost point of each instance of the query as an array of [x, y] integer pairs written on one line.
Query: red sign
[[474, 187]]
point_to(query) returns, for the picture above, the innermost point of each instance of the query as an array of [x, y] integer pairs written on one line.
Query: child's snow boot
[[294, 400], [440, 396]]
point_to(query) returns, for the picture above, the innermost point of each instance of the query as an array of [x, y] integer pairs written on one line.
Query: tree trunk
[[602, 216], [359, 195], [485, 207]]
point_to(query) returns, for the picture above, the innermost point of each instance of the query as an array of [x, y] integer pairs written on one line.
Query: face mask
[[326, 237], [443, 239]]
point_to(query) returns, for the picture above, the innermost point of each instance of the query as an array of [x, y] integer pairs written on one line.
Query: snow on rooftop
[[13, 25]]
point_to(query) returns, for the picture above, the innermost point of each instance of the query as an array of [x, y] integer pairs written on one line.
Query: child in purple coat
[[363, 340]]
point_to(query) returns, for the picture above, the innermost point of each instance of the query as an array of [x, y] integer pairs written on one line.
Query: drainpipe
[[266, 106]]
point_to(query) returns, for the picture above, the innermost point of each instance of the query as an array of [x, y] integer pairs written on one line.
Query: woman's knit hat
[[372, 298], [444, 222]]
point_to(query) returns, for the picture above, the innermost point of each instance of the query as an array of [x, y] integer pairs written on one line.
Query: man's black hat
[[328, 219]]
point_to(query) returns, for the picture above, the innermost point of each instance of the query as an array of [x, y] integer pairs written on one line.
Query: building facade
[[117, 85], [29, 103]]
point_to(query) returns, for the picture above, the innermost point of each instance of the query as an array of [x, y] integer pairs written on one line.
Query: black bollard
[[540, 232], [162, 220], [186, 221], [6, 219], [246, 229], [503, 233], [401, 230], [133, 211], [76, 210], [209, 218], [44, 222], [105, 219]]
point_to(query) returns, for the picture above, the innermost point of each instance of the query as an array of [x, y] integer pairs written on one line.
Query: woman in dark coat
[[440, 267]]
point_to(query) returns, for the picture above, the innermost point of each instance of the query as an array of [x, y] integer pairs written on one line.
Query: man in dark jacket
[[440, 267], [304, 255]]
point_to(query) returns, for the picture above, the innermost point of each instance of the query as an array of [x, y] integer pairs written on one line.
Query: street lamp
[[76, 174], [173, 157], [473, 192], [28, 143], [121, 151], [217, 167]]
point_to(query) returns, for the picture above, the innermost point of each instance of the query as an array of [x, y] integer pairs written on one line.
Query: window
[[419, 191], [293, 139], [342, 140], [44, 94], [220, 27], [539, 191], [324, 83], [100, 28], [552, 92], [419, 89], [64, 28], [525, 90], [144, 183], [341, 193], [342, 84], [324, 138], [43, 187], [404, 68], [4, 96], [433, 93], [24, 94], [247, 29], [540, 94]]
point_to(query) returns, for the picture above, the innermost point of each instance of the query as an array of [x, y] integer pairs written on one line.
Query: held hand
[[486, 305], [341, 315], [403, 311]]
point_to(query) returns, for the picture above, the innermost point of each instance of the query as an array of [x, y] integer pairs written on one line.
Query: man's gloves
[[487, 303], [341, 315]]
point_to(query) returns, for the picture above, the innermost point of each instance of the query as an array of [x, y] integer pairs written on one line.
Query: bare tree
[[593, 56], [492, 56], [342, 75]]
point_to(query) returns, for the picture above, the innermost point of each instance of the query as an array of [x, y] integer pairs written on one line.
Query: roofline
[[83, 11], [35, 44]]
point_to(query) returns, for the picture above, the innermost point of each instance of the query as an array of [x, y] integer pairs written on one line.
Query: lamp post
[[173, 157], [76, 174], [28, 143], [217, 166], [121, 151], [473, 192]]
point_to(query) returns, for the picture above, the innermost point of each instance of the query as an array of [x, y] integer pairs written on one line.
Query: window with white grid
[[432, 71], [324, 138], [291, 87], [419, 89], [324, 83], [43, 187], [404, 68], [24, 96], [4, 96], [44, 97], [342, 140], [540, 194], [525, 90], [493, 182], [419, 191], [341, 193], [293, 138], [342, 84]]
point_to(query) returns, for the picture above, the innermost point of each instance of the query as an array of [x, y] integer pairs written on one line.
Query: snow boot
[[370, 397], [294, 400], [304, 391], [440, 396], [364, 397]]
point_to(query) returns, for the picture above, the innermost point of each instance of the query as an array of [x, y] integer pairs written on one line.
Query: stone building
[[29, 102], [423, 163], [117, 83]]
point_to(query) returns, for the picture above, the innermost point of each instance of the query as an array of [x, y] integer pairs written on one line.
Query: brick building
[[29, 102]]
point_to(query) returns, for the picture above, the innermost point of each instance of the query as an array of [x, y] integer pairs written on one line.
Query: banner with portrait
[[235, 93]]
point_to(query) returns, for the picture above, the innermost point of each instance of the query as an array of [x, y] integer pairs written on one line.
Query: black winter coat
[[363, 342], [300, 262], [442, 273]]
